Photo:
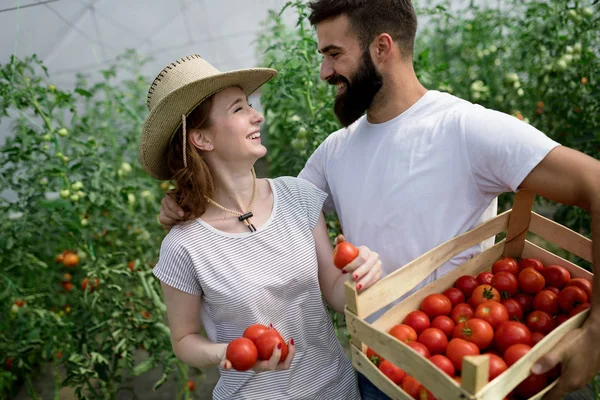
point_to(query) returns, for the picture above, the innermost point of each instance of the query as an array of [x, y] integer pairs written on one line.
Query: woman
[[251, 250]]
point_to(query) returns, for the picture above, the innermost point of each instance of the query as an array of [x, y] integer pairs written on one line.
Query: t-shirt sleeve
[[502, 150], [315, 172], [312, 199], [175, 267]]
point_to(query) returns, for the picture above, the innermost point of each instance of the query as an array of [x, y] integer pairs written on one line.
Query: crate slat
[[518, 223], [561, 236], [475, 373], [532, 250]]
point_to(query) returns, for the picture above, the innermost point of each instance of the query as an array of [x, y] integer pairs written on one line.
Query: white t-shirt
[[404, 186]]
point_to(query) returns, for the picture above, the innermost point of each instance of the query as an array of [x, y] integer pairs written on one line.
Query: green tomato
[[569, 49], [577, 47], [84, 221], [77, 185], [131, 198], [44, 181], [74, 197], [587, 12], [65, 193], [47, 137], [561, 65], [126, 167], [63, 132]]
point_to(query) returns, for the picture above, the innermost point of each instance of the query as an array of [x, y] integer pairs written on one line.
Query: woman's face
[[235, 127]]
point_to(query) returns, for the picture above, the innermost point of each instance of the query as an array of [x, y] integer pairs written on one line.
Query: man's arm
[[570, 177]]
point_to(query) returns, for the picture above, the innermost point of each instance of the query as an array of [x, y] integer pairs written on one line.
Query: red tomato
[[466, 284], [583, 284], [506, 264], [436, 304], [536, 337], [475, 331], [403, 333], [546, 301], [420, 348], [540, 321], [266, 344], [343, 254], [525, 300], [497, 366], [554, 290], [483, 293], [417, 320], [531, 281], [391, 371], [485, 278], [514, 309], [570, 297], [455, 295], [531, 385], [242, 354], [515, 352], [9, 362], [492, 312], [191, 385], [506, 283], [435, 340], [531, 263], [374, 357], [443, 323], [578, 309], [458, 348], [560, 318], [461, 312], [254, 331], [556, 276], [411, 386], [443, 363], [511, 332]]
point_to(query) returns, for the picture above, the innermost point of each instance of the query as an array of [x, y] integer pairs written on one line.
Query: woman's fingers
[[288, 360], [372, 276]]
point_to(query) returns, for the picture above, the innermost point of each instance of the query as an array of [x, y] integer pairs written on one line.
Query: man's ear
[[381, 47], [201, 139]]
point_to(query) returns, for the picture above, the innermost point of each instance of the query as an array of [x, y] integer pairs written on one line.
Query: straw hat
[[175, 93]]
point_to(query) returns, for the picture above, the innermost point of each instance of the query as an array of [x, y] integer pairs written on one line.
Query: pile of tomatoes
[[502, 313], [257, 343]]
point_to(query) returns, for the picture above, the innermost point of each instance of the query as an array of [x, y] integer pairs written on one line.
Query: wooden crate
[[517, 222]]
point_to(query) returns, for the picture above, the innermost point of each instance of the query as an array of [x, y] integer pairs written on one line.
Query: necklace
[[243, 217]]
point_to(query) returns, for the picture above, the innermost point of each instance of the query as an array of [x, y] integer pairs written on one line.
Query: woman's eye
[[238, 109]]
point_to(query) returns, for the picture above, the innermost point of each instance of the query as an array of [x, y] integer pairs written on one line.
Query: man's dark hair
[[369, 18]]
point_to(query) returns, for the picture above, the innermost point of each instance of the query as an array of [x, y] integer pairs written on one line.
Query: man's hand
[[579, 355], [170, 212]]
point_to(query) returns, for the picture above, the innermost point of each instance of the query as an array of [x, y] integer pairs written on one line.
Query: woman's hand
[[271, 364], [365, 268]]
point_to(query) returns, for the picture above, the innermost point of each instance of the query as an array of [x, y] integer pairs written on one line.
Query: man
[[423, 167]]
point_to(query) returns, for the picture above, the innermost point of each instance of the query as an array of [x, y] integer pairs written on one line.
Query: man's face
[[349, 67]]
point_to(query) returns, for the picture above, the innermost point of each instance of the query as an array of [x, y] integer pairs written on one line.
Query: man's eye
[[334, 55]]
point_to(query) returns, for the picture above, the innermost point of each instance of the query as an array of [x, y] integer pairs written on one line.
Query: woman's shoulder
[[182, 235], [293, 184]]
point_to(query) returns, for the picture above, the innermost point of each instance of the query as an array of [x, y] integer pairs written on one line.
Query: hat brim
[[165, 118]]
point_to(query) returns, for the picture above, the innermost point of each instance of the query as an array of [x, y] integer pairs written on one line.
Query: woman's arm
[[365, 269], [183, 312]]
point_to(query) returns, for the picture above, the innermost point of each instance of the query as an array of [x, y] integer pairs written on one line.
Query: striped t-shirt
[[268, 276]]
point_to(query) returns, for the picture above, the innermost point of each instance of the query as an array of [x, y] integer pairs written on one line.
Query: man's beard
[[357, 97]]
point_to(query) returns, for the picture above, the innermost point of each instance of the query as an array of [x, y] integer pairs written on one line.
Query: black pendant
[[246, 216], [251, 227]]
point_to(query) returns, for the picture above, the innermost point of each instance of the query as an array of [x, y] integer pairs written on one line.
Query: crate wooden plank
[[508, 380], [403, 280], [475, 373], [436, 381], [532, 250], [369, 370], [518, 223], [475, 265], [561, 236]]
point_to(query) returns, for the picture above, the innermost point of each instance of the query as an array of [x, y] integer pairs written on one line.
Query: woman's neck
[[234, 189]]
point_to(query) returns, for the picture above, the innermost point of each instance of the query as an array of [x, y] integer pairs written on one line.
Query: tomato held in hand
[[511, 332], [506, 264], [343, 254], [417, 320], [436, 304], [266, 344], [531, 263], [459, 348], [466, 284], [444, 324], [455, 295], [254, 331], [483, 293], [461, 313], [505, 283], [403, 333], [570, 297], [515, 311], [435, 340], [531, 281], [242, 354], [391, 371], [546, 301], [556, 276], [492, 312], [475, 331], [582, 283], [443, 363]]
